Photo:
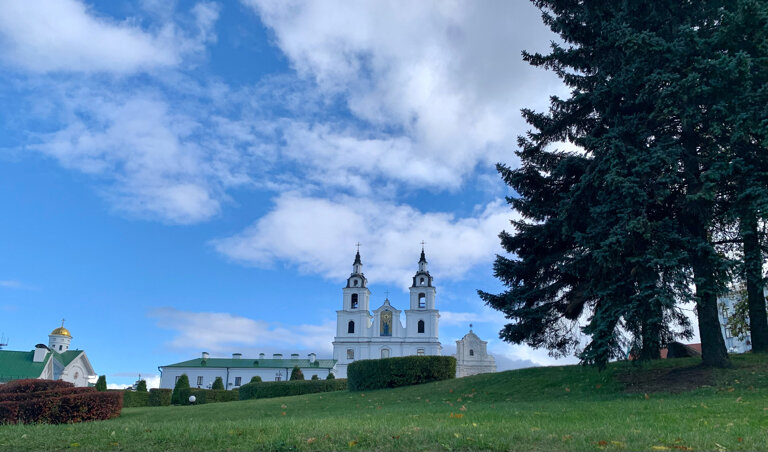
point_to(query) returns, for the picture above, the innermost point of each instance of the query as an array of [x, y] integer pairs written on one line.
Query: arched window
[[421, 281], [385, 353], [351, 327], [354, 281], [354, 299], [385, 328], [421, 326], [350, 353], [420, 352], [422, 300], [59, 347], [471, 352]]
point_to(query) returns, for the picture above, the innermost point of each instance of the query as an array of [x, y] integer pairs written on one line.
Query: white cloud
[[220, 332], [11, 284], [448, 318], [66, 35], [318, 235]]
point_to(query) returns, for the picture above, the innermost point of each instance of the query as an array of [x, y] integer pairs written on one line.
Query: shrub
[[159, 397], [75, 407], [393, 372], [218, 384], [271, 389], [133, 399], [101, 383], [297, 374], [33, 385], [141, 386], [181, 391], [255, 379], [330, 376], [203, 396], [315, 377], [57, 392]]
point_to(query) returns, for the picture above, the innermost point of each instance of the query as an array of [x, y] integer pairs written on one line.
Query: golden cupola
[[59, 339]]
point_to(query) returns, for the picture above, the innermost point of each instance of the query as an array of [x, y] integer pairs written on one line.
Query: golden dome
[[61, 331]]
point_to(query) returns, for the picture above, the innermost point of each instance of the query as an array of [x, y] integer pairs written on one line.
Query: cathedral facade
[[362, 334]]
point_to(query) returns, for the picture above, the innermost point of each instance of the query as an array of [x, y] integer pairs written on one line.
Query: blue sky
[[178, 177]]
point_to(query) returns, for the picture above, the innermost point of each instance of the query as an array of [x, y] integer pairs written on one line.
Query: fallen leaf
[[738, 400], [602, 443], [463, 408], [567, 437], [660, 448], [567, 389], [456, 435], [352, 443], [396, 437], [647, 396], [731, 389], [74, 445], [283, 406], [457, 415], [474, 424], [598, 386], [311, 440], [740, 439], [283, 413]]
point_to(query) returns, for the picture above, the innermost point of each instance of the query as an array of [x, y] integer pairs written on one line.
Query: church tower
[[422, 317], [59, 339], [353, 322]]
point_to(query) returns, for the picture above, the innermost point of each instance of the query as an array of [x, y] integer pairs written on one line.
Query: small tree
[[315, 377], [101, 383], [255, 379], [218, 383], [141, 386], [181, 390], [330, 376], [297, 374]]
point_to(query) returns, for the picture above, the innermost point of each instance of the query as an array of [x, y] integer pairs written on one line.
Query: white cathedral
[[362, 335]]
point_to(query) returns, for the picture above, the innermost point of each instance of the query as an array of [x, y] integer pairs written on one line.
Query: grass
[[554, 408]]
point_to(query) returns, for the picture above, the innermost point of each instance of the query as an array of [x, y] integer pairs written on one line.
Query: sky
[[187, 176]]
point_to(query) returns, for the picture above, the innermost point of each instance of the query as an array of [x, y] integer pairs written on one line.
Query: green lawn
[[556, 408]]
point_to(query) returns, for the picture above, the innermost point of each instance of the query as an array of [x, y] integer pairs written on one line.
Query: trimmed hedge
[[132, 399], [159, 397], [269, 389], [56, 402], [403, 371], [213, 396]]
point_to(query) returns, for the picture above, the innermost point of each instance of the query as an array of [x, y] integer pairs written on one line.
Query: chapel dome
[[61, 331]]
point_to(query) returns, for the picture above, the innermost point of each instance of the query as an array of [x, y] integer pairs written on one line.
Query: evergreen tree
[[315, 377], [330, 376], [296, 374], [181, 391], [101, 383], [255, 379], [218, 384], [141, 386]]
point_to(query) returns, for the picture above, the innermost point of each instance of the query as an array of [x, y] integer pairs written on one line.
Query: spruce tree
[[218, 384], [141, 386], [101, 383], [296, 374], [181, 391], [330, 376]]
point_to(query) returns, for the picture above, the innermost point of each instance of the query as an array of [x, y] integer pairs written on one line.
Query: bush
[[159, 397], [404, 371], [133, 399], [218, 384], [255, 379], [315, 377], [181, 391], [141, 386], [330, 376], [58, 392], [203, 396], [33, 385], [296, 374], [83, 405], [101, 383], [289, 388]]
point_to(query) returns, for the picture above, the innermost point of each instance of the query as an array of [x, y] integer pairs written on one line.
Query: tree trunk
[[713, 352], [753, 265]]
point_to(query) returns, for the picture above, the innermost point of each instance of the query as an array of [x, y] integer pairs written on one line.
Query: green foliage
[[218, 384], [330, 376], [403, 371], [255, 379], [296, 374], [132, 399], [315, 377], [101, 383], [203, 396], [272, 389], [141, 386], [55, 402], [181, 391], [159, 397]]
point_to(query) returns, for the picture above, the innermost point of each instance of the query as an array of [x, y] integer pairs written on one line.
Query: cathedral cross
[[62, 323], [422, 244], [358, 246], [387, 293]]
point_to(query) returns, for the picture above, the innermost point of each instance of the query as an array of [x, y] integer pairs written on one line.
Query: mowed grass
[[554, 408]]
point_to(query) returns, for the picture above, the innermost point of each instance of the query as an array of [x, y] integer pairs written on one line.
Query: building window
[[351, 327], [199, 381], [59, 347], [421, 326], [386, 323], [350, 354], [385, 353], [177, 379], [420, 352], [354, 299], [471, 352], [422, 300], [278, 377], [354, 281], [421, 281], [238, 380]]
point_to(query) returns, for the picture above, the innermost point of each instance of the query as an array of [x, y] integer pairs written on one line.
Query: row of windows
[[422, 300], [384, 353], [385, 330]]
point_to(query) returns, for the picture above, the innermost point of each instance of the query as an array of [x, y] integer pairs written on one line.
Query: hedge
[[133, 399], [159, 397], [403, 371], [56, 402], [269, 389]]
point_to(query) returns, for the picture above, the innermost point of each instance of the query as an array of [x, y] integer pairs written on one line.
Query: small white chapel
[[361, 334]]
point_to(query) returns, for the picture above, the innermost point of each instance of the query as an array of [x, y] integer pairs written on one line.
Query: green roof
[[68, 356], [245, 363], [16, 365]]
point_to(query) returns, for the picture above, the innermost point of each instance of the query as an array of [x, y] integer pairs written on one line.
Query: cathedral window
[[350, 354], [421, 326], [386, 324], [350, 327], [354, 299], [471, 352], [354, 282], [420, 352], [238, 380], [422, 300], [59, 347], [385, 353], [421, 281], [199, 381]]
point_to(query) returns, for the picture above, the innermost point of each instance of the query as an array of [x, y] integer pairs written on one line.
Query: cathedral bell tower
[[356, 294], [422, 317]]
